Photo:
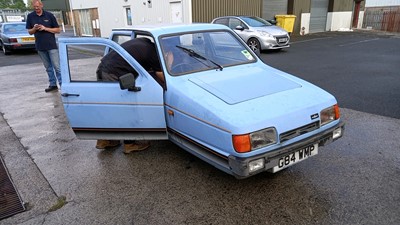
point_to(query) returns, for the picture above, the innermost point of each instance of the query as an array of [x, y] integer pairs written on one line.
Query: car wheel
[[254, 44], [5, 51]]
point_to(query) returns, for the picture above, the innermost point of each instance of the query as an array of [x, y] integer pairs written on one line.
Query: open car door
[[101, 109]]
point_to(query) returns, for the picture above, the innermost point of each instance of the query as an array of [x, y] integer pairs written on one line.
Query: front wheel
[[254, 45]]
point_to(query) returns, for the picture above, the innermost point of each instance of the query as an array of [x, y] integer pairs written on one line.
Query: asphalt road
[[355, 180], [361, 69]]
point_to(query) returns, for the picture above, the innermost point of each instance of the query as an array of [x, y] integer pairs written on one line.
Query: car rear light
[[13, 40]]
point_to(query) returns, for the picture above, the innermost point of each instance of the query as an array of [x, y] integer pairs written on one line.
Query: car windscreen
[[255, 22], [200, 51], [14, 28]]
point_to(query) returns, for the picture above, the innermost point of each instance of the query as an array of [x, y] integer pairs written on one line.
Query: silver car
[[14, 35], [258, 33]]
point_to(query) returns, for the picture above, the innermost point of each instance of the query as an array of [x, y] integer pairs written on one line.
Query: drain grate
[[10, 202]]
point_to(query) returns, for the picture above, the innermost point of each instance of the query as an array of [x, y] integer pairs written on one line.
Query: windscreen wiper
[[192, 53]]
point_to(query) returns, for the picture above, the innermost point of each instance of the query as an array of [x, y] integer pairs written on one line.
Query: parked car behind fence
[[14, 36]]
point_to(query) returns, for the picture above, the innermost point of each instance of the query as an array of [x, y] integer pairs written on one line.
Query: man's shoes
[[106, 144], [51, 88], [136, 146]]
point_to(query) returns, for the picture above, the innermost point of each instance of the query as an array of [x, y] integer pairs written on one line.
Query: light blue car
[[219, 101]]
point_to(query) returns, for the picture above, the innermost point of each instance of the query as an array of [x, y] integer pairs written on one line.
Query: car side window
[[233, 23], [223, 21], [83, 61], [121, 38]]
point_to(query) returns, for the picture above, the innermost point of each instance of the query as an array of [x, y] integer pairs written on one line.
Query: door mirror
[[239, 28], [127, 81]]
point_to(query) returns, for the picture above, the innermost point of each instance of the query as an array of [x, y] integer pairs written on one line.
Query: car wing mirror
[[273, 22], [239, 28], [127, 81]]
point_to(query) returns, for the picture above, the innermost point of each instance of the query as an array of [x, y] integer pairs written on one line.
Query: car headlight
[[329, 114], [248, 142], [263, 33]]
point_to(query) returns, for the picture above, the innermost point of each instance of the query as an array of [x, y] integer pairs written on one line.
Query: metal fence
[[17, 15], [382, 18]]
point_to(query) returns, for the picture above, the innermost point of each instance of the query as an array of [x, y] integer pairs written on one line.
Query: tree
[[12, 4]]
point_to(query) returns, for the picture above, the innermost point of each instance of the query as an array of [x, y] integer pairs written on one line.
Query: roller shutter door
[[274, 7], [319, 13]]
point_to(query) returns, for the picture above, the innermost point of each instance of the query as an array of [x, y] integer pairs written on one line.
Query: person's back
[[141, 49]]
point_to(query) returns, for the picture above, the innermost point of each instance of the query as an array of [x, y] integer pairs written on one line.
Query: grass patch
[[61, 201]]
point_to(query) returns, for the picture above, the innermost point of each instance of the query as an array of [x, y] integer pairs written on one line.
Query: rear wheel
[[5, 51], [254, 44]]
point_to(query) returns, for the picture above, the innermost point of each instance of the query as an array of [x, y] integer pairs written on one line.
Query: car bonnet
[[238, 85], [274, 30]]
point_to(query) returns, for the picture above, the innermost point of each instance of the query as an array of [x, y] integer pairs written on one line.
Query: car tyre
[[254, 44], [5, 51]]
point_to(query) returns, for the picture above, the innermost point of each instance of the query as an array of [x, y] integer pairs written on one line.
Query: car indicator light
[[337, 111], [241, 143], [330, 114]]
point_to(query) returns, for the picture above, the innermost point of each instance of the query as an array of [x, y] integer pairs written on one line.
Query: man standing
[[44, 26]]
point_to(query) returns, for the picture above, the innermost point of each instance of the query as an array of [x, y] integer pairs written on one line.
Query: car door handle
[[68, 94]]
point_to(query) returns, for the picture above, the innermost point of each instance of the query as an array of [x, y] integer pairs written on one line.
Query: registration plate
[[295, 157], [28, 39], [282, 40]]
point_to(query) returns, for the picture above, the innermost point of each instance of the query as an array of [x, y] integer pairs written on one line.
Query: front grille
[[282, 40], [298, 131]]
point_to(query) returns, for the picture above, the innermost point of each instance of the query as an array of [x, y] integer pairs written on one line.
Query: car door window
[[90, 62], [233, 23], [223, 21], [121, 38]]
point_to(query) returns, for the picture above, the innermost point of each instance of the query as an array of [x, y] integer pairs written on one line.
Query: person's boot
[[105, 144], [51, 88], [136, 146]]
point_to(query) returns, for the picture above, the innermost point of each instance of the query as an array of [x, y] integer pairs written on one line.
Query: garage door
[[319, 12], [274, 7]]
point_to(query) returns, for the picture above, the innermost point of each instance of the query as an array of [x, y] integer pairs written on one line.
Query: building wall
[[112, 14], [339, 17], [60, 5], [380, 3], [271, 8], [206, 10]]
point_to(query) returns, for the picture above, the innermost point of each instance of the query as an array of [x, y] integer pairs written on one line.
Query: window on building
[[85, 22], [128, 13]]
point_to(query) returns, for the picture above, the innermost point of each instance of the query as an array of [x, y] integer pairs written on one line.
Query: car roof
[[162, 29], [236, 16]]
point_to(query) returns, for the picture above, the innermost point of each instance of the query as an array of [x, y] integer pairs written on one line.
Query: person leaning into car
[[44, 26], [113, 66]]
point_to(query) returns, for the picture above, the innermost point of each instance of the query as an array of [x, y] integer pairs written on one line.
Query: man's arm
[[160, 76], [40, 27]]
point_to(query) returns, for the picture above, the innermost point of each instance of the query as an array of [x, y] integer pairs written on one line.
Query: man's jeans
[[51, 62]]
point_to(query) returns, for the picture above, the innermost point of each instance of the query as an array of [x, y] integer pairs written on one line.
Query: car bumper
[[19, 46], [240, 166], [273, 43]]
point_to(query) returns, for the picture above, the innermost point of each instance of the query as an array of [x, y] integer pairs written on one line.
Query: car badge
[[314, 116]]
